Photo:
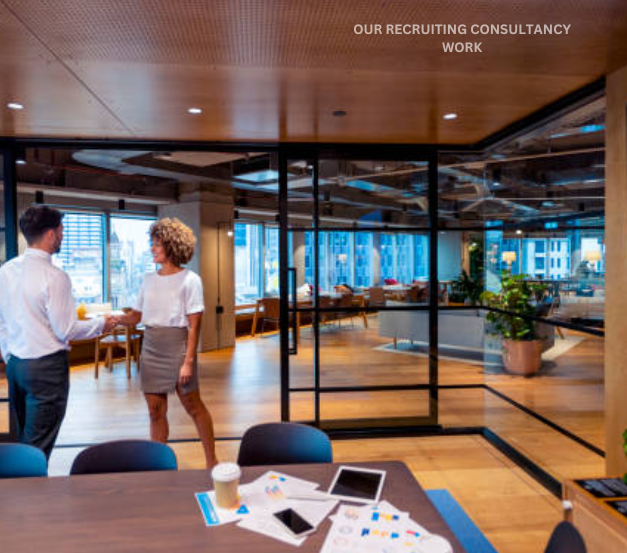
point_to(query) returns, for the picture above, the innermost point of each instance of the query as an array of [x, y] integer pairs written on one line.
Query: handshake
[[110, 322]]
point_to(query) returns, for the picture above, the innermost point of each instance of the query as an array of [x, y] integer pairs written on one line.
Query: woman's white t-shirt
[[167, 300]]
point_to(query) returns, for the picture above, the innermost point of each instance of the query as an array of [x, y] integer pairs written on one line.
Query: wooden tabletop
[[157, 511]]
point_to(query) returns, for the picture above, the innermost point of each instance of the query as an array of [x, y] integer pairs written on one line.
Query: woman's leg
[[158, 409], [202, 419]]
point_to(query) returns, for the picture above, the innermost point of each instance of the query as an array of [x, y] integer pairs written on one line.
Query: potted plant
[[522, 347], [466, 290]]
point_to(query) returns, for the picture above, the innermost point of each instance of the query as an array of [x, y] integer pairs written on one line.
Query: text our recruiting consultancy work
[[476, 29]]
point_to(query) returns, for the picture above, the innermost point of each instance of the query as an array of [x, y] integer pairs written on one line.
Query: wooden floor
[[241, 387]]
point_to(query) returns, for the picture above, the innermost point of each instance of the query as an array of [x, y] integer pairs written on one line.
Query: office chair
[[565, 539], [124, 456], [22, 460], [284, 443]]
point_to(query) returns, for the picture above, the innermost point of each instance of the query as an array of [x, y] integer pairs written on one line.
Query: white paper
[[313, 512], [270, 528], [381, 529], [291, 483]]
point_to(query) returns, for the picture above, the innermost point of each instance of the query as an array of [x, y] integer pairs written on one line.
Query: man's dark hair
[[38, 219]]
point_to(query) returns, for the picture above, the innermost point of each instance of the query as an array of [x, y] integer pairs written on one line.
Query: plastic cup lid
[[225, 472]]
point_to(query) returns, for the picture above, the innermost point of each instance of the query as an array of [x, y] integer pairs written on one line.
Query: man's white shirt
[[37, 311]]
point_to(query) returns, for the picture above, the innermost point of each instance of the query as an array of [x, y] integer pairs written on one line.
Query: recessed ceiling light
[[519, 231], [339, 113], [496, 183], [15, 105], [195, 111], [20, 161], [449, 116]]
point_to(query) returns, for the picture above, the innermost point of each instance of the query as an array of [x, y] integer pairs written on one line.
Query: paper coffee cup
[[225, 483]]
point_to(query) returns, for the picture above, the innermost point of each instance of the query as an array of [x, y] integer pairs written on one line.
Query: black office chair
[[22, 460], [124, 456], [565, 539], [284, 443]]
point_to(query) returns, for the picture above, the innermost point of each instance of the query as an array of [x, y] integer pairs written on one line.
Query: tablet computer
[[357, 484]]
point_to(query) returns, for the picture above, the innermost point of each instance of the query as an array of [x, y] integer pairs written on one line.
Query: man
[[37, 320]]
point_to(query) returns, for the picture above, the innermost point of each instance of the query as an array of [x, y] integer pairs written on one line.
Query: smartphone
[[296, 525]]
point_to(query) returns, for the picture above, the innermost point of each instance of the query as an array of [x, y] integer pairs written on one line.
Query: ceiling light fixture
[[20, 161], [449, 116], [15, 105], [194, 111], [519, 231], [339, 113]]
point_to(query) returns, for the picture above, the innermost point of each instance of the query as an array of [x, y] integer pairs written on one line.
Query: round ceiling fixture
[[194, 111], [15, 105], [449, 116]]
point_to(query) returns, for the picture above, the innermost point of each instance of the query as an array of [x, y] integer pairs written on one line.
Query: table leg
[[298, 327]]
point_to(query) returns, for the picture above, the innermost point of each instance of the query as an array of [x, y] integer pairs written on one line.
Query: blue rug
[[464, 529]]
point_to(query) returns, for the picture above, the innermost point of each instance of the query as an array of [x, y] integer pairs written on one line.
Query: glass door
[[359, 294]]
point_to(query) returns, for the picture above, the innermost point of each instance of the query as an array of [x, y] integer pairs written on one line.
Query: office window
[[247, 263], [129, 258], [421, 256], [363, 259], [309, 258], [82, 255], [404, 259], [340, 258], [388, 269], [271, 261]]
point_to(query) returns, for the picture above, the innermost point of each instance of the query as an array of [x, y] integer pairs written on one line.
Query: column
[[616, 275], [210, 216]]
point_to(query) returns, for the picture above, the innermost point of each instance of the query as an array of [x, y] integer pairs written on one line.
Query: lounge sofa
[[463, 329]]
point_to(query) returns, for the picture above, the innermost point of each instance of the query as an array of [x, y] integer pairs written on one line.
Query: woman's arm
[[187, 369]]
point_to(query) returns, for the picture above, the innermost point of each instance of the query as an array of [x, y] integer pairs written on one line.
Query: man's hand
[[110, 323], [186, 372]]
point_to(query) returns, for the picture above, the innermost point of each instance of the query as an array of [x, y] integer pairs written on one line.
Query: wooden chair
[[346, 300], [359, 300], [377, 296], [271, 311], [127, 338], [418, 293], [326, 317]]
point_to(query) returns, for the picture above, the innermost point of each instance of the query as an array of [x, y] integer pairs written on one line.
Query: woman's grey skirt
[[163, 353]]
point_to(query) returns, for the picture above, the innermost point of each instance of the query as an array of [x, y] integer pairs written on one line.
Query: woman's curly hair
[[177, 239]]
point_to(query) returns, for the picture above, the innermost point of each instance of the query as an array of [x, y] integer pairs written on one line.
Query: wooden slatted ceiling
[[277, 69]]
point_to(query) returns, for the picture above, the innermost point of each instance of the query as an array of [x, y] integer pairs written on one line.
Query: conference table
[[157, 511]]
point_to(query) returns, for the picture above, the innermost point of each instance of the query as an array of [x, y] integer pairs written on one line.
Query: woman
[[170, 305]]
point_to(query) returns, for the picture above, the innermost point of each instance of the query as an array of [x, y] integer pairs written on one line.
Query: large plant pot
[[520, 357]]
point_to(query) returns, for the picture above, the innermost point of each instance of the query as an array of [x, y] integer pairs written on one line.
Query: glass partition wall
[[374, 267], [525, 221], [359, 282]]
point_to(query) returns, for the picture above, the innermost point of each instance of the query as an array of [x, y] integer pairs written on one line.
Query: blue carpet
[[464, 529]]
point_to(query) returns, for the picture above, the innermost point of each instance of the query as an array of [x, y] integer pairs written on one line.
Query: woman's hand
[[186, 373]]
